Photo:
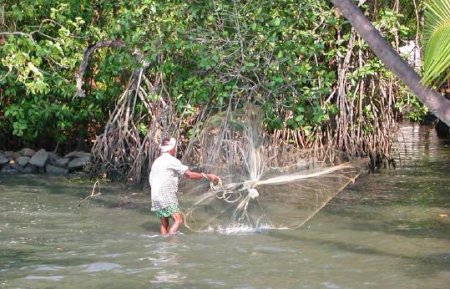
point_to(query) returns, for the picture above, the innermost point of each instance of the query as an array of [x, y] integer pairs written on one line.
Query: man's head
[[168, 145]]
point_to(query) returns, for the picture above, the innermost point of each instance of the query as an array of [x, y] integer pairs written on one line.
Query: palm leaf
[[436, 42]]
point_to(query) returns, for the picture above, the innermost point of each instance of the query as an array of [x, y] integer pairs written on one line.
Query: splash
[[263, 186]]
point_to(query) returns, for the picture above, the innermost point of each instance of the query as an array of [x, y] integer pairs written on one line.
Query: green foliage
[[268, 51], [437, 42], [43, 46], [281, 54], [406, 104], [410, 107]]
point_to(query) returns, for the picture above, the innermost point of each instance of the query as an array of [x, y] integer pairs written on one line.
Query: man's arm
[[197, 176]]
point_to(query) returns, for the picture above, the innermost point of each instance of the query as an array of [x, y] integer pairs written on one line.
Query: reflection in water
[[388, 230], [165, 260], [420, 143]]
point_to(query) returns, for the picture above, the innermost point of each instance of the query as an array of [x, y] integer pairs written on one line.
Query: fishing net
[[262, 185]]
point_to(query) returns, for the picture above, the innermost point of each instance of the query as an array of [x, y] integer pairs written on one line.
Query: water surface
[[388, 230]]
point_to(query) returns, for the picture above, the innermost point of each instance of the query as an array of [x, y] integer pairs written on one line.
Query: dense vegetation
[[316, 80]]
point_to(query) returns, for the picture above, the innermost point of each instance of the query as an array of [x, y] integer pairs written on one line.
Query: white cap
[[165, 148]]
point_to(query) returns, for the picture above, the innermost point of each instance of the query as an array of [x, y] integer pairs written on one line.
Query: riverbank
[[28, 160]]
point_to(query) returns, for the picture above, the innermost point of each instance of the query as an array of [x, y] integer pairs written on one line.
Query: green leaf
[[277, 22], [299, 117], [437, 42]]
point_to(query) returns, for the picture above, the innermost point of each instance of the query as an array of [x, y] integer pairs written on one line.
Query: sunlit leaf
[[437, 41]]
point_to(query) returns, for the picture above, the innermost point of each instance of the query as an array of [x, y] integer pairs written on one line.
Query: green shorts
[[167, 211]]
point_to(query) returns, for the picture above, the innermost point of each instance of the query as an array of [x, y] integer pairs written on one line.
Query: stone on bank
[[29, 161]]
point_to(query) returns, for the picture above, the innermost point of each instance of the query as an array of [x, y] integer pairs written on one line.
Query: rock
[[52, 157], [62, 162], [78, 163], [29, 169], [12, 155], [78, 154], [23, 161], [54, 170], [8, 169], [442, 130], [123, 205], [40, 158], [27, 152], [28, 161], [3, 159], [17, 167]]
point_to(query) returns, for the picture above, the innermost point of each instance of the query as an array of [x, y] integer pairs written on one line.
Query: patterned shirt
[[164, 175]]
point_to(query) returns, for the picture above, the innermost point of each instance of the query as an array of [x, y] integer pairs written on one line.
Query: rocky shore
[[30, 161]]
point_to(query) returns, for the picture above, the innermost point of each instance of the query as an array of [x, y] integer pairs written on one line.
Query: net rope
[[261, 186]]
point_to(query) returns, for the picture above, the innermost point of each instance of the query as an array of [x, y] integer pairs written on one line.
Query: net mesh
[[262, 185]]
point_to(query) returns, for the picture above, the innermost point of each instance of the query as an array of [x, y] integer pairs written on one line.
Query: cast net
[[263, 186]]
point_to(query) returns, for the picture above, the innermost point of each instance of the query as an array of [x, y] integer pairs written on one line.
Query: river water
[[390, 229]]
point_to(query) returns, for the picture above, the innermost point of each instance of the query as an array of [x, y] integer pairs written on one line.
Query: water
[[388, 230]]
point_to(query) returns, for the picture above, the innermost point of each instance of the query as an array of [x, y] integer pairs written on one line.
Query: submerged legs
[[164, 227]]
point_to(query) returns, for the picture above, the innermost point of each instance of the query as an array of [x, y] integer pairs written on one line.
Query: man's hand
[[196, 176], [213, 178]]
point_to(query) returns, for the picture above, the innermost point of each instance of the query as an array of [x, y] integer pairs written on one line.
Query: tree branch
[[84, 63], [435, 102], [29, 35]]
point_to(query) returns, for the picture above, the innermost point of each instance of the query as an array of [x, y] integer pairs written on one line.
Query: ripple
[[51, 278], [48, 268], [101, 266]]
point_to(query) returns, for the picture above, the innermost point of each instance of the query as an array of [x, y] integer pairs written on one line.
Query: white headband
[[168, 146]]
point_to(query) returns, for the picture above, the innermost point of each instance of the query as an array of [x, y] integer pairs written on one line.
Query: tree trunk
[[436, 103], [86, 55]]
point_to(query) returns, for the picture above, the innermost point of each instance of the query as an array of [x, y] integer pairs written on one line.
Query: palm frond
[[436, 42]]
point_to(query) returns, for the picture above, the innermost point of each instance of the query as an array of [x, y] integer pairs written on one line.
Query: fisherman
[[164, 176]]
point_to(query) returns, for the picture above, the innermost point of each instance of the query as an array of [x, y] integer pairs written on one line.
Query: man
[[164, 176]]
